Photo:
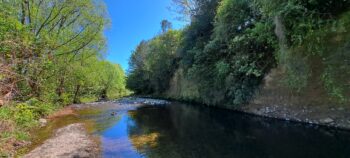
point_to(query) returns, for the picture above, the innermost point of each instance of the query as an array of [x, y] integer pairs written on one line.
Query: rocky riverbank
[[330, 116], [338, 117], [313, 105]]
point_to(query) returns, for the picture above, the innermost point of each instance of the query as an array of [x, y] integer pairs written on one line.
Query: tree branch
[[71, 39]]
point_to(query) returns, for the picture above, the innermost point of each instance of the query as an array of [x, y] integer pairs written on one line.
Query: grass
[[88, 99]]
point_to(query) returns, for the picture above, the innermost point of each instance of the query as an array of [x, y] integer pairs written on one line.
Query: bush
[[17, 119], [41, 108], [25, 115]]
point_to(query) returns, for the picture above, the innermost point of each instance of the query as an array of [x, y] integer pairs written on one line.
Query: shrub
[[25, 115]]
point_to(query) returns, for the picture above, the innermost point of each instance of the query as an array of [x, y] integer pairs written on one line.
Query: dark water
[[184, 131]]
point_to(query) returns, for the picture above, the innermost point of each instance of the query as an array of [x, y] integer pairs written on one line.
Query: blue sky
[[133, 21]]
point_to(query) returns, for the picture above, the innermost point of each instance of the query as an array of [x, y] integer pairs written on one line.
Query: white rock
[[42, 122], [326, 120]]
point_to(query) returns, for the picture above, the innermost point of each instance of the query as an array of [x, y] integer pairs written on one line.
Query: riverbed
[[138, 127]]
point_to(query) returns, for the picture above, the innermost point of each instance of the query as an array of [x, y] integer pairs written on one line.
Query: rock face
[[68, 142]]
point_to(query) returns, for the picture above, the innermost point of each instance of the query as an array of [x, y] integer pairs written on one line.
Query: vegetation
[[229, 46], [51, 55], [153, 62]]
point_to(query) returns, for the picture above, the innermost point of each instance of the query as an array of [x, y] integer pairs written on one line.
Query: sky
[[133, 21]]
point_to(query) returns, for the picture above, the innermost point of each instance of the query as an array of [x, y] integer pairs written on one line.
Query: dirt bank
[[311, 105], [70, 141], [62, 113]]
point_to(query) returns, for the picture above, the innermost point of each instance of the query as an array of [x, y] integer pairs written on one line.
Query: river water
[[177, 130]]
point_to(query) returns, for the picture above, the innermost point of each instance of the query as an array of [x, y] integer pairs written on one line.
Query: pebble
[[326, 120]]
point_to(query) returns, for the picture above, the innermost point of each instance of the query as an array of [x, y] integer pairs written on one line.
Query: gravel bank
[[70, 141]]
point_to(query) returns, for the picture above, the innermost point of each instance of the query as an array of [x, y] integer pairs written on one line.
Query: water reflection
[[180, 131], [115, 140]]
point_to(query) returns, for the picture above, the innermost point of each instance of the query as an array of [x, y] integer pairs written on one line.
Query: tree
[[186, 8], [153, 63], [56, 44], [166, 25], [229, 46]]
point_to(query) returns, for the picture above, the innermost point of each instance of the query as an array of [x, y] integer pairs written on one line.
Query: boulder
[[43, 122]]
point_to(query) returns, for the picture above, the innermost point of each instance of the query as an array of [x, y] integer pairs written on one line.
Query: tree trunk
[[103, 95], [60, 89], [76, 94], [26, 2], [23, 16], [34, 86]]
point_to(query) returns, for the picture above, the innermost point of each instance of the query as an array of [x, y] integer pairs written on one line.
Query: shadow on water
[[179, 130]]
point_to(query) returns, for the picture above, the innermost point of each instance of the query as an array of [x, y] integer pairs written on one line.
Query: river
[[135, 128]]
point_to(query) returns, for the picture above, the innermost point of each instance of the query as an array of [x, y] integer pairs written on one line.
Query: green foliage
[[110, 80], [315, 38], [225, 53], [153, 63], [231, 65], [5, 113], [17, 119], [230, 45], [25, 115], [40, 108], [198, 33], [51, 55], [333, 88], [297, 73], [52, 50]]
